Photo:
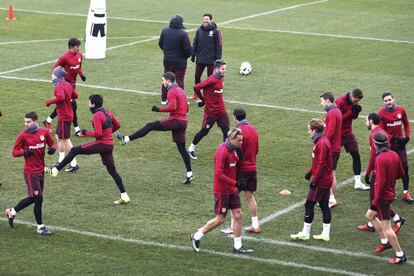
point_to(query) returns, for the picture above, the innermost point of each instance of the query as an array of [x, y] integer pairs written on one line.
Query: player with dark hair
[[320, 177], [64, 95], [226, 195], [104, 124], [213, 102], [372, 122], [393, 117], [388, 169], [176, 122], [176, 47], [350, 109], [71, 61], [31, 144], [332, 132], [207, 48]]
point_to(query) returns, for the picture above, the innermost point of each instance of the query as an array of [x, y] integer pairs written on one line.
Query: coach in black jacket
[[207, 47], [176, 46]]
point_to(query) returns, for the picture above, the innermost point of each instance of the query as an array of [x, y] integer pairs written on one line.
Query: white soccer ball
[[245, 68]]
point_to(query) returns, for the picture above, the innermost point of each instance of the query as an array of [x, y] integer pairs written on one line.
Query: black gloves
[[241, 185], [28, 153], [367, 179], [84, 131], [155, 108], [401, 141], [200, 103], [51, 151], [308, 176], [312, 185], [192, 58], [373, 208], [83, 77], [356, 108]]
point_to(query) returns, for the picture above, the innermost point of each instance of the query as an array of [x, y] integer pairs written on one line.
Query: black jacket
[[175, 44], [207, 46]]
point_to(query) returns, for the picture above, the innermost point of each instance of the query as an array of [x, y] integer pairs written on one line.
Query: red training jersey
[[321, 169], [36, 142], [225, 170], [212, 95], [373, 149], [104, 124], [250, 147], [177, 103], [345, 106], [392, 121], [333, 122], [388, 169], [72, 63], [64, 94]]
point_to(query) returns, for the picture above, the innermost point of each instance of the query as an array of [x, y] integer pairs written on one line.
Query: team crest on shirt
[[79, 59], [210, 33], [399, 115], [223, 210], [42, 137]]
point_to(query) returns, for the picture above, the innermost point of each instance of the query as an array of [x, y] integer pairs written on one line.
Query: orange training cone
[[11, 14]]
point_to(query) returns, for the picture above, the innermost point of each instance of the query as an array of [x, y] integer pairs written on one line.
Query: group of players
[[235, 158]]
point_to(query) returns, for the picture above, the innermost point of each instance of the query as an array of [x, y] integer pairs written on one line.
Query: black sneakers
[[243, 250], [188, 180], [192, 155], [10, 217], [72, 169], [195, 243], [43, 231]]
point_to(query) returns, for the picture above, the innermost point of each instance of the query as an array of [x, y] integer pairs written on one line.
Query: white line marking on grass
[[270, 12], [187, 248]]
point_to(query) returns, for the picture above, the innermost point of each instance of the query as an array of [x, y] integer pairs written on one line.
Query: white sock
[[399, 254], [73, 163], [255, 222], [326, 229], [332, 197], [405, 191], [396, 217], [77, 129], [192, 147], [307, 228], [49, 120], [198, 235], [237, 242], [126, 139], [124, 196], [384, 241], [61, 156], [40, 226], [13, 212], [189, 174], [370, 224]]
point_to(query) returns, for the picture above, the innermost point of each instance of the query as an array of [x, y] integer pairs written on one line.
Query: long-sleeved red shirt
[[177, 103], [104, 124], [72, 63], [373, 150], [250, 147], [344, 104], [212, 94], [392, 122], [321, 169], [36, 142], [64, 94], [225, 170], [333, 128], [388, 169]]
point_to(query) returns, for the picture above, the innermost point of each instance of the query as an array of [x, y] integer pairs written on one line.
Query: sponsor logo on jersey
[[75, 67], [37, 146], [233, 164], [218, 91], [393, 124]]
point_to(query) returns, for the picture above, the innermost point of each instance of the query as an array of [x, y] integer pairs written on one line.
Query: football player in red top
[[226, 194], [393, 118], [31, 144], [71, 61], [320, 177], [176, 122]]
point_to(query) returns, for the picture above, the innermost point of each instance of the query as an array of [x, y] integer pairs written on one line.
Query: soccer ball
[[245, 68]]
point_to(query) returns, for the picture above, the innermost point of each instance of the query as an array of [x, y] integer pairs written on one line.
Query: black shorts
[[224, 202], [222, 120], [317, 194], [104, 150], [177, 127], [384, 210], [251, 180], [63, 129], [350, 143], [35, 183]]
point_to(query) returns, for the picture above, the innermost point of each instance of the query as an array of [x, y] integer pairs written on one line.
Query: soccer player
[[71, 61], [31, 144], [176, 47], [320, 176], [372, 123], [388, 169], [350, 109], [213, 102], [393, 117], [104, 124], [226, 195], [333, 121], [207, 47], [64, 94], [176, 122]]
